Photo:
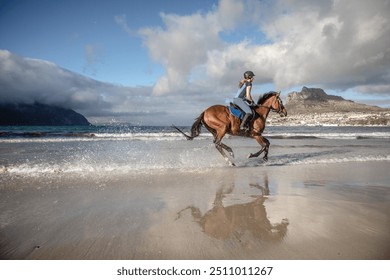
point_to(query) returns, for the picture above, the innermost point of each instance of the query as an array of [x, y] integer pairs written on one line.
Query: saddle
[[238, 112]]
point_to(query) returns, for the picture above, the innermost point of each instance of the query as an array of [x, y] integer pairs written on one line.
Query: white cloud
[[338, 45], [93, 56], [180, 48], [334, 44], [185, 43], [122, 21], [230, 13]]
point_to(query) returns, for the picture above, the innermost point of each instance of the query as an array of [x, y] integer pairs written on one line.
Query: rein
[[270, 108]]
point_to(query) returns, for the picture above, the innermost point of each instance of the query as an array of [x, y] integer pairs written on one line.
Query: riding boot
[[244, 123]]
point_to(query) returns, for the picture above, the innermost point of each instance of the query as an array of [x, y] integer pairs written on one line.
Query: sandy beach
[[318, 211]]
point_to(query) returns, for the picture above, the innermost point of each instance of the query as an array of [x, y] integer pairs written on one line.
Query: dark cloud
[[338, 45], [25, 80], [31, 80]]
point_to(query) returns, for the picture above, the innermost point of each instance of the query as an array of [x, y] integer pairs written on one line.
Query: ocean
[[122, 149], [130, 192]]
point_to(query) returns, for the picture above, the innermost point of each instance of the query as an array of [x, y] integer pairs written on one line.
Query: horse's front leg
[[264, 143], [265, 157]]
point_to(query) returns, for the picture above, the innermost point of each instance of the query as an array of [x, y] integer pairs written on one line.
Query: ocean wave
[[146, 133], [96, 170], [156, 136], [173, 136], [67, 137], [328, 160], [189, 165], [329, 135]]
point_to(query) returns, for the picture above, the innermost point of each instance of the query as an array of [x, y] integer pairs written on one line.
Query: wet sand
[[320, 211]]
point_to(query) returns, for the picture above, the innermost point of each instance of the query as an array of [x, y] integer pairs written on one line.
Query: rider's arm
[[248, 92], [241, 91]]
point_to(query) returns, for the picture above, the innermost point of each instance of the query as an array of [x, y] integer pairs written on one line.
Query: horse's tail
[[195, 129]]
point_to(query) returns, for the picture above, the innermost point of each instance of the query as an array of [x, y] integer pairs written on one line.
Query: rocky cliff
[[317, 101], [313, 106], [39, 114]]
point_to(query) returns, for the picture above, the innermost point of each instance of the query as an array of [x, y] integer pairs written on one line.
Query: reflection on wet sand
[[234, 221]]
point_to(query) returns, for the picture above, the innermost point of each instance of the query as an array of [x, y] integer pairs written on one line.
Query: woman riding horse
[[219, 121], [244, 98]]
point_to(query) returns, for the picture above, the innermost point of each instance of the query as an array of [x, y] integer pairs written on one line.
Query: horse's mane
[[265, 96]]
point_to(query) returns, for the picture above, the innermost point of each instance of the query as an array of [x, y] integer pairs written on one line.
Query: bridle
[[280, 107]]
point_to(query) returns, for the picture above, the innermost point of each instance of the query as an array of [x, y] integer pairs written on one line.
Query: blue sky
[[158, 62], [84, 37]]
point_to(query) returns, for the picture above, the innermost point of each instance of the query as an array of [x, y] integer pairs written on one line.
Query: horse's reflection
[[240, 219]]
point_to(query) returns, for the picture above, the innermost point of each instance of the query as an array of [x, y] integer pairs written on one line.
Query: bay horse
[[219, 121]]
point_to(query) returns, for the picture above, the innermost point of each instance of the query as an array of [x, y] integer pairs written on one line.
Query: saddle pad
[[236, 112]]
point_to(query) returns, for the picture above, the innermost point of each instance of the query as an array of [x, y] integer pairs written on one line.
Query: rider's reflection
[[223, 222]]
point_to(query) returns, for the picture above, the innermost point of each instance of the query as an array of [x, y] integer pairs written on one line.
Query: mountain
[[316, 100], [39, 114], [314, 107]]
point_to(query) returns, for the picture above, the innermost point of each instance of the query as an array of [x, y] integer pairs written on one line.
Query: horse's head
[[274, 102], [277, 105]]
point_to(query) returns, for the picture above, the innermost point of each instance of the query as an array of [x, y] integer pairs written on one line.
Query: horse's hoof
[[250, 156], [265, 159], [229, 162]]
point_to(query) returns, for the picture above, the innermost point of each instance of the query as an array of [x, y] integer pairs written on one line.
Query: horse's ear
[[278, 93]]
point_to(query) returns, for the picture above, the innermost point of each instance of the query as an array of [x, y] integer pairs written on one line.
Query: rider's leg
[[248, 112], [244, 124]]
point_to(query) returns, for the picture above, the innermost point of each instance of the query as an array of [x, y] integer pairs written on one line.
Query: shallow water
[[322, 211], [147, 193], [95, 150]]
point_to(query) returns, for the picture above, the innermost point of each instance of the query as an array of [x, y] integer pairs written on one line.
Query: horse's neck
[[263, 109]]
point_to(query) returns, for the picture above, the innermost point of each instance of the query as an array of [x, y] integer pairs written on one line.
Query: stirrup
[[245, 127]]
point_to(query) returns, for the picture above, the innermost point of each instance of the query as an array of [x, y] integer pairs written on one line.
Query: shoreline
[[374, 119], [322, 211], [365, 118]]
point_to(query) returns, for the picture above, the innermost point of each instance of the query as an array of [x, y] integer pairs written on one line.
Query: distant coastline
[[331, 119], [39, 114], [314, 107], [309, 107]]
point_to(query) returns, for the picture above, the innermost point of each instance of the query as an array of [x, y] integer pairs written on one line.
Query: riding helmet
[[248, 74]]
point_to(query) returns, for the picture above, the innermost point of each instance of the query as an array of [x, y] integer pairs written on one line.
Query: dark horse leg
[[220, 146], [264, 143], [218, 135], [228, 149]]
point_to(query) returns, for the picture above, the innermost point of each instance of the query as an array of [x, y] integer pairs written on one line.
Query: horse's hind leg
[[227, 148], [220, 146], [264, 143], [218, 128], [218, 139]]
